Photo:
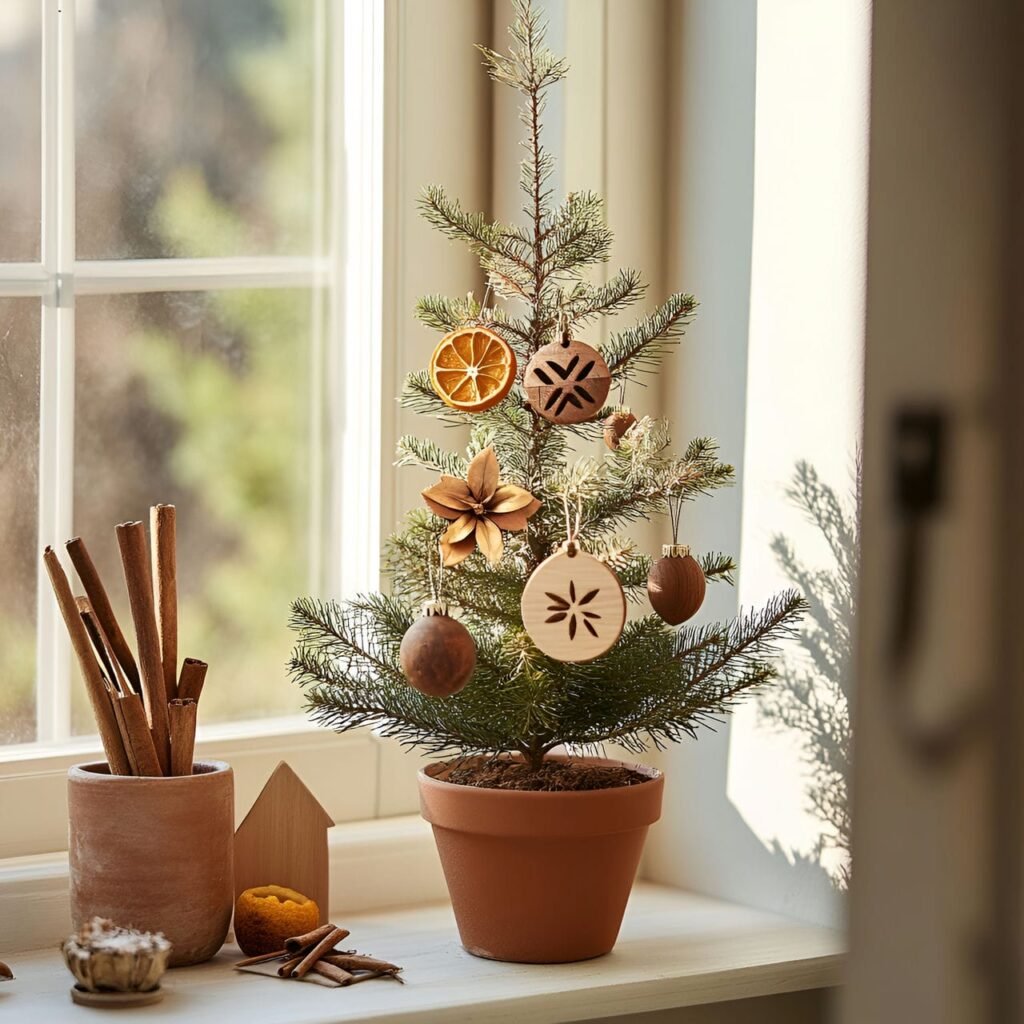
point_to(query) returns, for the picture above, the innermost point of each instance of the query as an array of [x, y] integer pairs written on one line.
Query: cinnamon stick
[[357, 962], [104, 650], [90, 578], [165, 576], [371, 975], [193, 675], [136, 725], [182, 722], [122, 728], [89, 621], [106, 722], [306, 964], [285, 970], [131, 538], [334, 973], [310, 939], [261, 959]]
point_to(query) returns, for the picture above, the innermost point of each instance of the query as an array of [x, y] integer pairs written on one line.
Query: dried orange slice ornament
[[472, 369]]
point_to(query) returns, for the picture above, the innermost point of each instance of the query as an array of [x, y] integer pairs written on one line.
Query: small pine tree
[[656, 684]]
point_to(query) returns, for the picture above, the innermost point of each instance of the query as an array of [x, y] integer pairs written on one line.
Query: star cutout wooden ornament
[[573, 606]]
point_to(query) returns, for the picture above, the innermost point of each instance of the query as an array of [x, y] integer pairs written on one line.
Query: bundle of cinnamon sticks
[[145, 709], [315, 953]]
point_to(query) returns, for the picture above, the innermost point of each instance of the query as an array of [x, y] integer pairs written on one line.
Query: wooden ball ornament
[[676, 584], [616, 425], [567, 381], [437, 654], [573, 606]]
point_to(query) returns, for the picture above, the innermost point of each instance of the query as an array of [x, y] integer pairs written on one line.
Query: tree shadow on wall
[[810, 700], [812, 696]]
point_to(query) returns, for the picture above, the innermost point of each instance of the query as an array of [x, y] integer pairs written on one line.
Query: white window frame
[[344, 276]]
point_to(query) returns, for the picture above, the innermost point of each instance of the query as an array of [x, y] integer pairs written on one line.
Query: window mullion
[[57, 357]]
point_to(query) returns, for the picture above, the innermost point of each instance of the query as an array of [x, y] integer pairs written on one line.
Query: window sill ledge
[[676, 949]]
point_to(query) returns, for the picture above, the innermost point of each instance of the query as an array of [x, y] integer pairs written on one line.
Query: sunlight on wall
[[805, 343]]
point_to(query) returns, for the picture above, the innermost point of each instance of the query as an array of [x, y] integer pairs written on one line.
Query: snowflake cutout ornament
[[573, 606]]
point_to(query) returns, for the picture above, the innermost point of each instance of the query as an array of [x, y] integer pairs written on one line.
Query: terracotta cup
[[539, 877], [154, 853]]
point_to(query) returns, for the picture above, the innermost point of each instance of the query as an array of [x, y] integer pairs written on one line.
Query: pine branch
[[577, 236], [415, 451], [641, 348], [499, 247], [584, 302], [718, 566], [703, 679]]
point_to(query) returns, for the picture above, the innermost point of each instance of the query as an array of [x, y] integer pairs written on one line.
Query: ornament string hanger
[[438, 604], [675, 515], [483, 316], [562, 326], [572, 522]]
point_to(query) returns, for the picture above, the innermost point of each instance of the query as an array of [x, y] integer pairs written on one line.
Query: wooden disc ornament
[[437, 654], [472, 369], [676, 584], [567, 381], [573, 606]]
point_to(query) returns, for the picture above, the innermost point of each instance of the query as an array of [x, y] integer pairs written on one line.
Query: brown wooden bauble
[[438, 654], [676, 584], [567, 382], [616, 425], [573, 606]]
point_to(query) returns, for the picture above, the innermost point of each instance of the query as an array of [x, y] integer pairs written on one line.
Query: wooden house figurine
[[283, 841]]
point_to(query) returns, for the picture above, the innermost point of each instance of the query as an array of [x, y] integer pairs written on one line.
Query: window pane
[[20, 126], [202, 400], [19, 554], [194, 128]]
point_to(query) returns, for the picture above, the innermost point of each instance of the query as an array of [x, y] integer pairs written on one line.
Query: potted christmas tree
[[521, 539]]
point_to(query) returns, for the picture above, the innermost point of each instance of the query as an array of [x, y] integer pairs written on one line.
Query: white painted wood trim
[[110, 277], [675, 949], [374, 864]]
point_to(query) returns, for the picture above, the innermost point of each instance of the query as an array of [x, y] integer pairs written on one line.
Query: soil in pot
[[539, 875], [550, 777]]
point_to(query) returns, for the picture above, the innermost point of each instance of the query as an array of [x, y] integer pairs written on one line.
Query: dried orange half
[[472, 369]]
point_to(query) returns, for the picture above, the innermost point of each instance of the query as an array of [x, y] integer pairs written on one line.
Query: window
[[174, 261]]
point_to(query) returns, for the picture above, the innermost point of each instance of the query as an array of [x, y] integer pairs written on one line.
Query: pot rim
[[535, 814], [653, 774], [90, 773]]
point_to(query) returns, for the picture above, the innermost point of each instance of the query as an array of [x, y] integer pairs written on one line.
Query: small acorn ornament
[[616, 425], [567, 381], [676, 584], [437, 654]]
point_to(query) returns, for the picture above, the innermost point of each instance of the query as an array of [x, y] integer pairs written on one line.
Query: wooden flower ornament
[[479, 508]]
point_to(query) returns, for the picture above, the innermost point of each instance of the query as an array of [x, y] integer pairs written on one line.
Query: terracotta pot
[[154, 853], [539, 877]]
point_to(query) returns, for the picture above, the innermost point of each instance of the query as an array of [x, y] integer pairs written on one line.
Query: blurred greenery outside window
[[199, 138]]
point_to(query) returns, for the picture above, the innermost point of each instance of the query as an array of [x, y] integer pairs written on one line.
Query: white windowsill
[[676, 949]]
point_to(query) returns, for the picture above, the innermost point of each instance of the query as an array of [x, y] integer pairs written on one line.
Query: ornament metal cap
[[675, 550], [440, 606]]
